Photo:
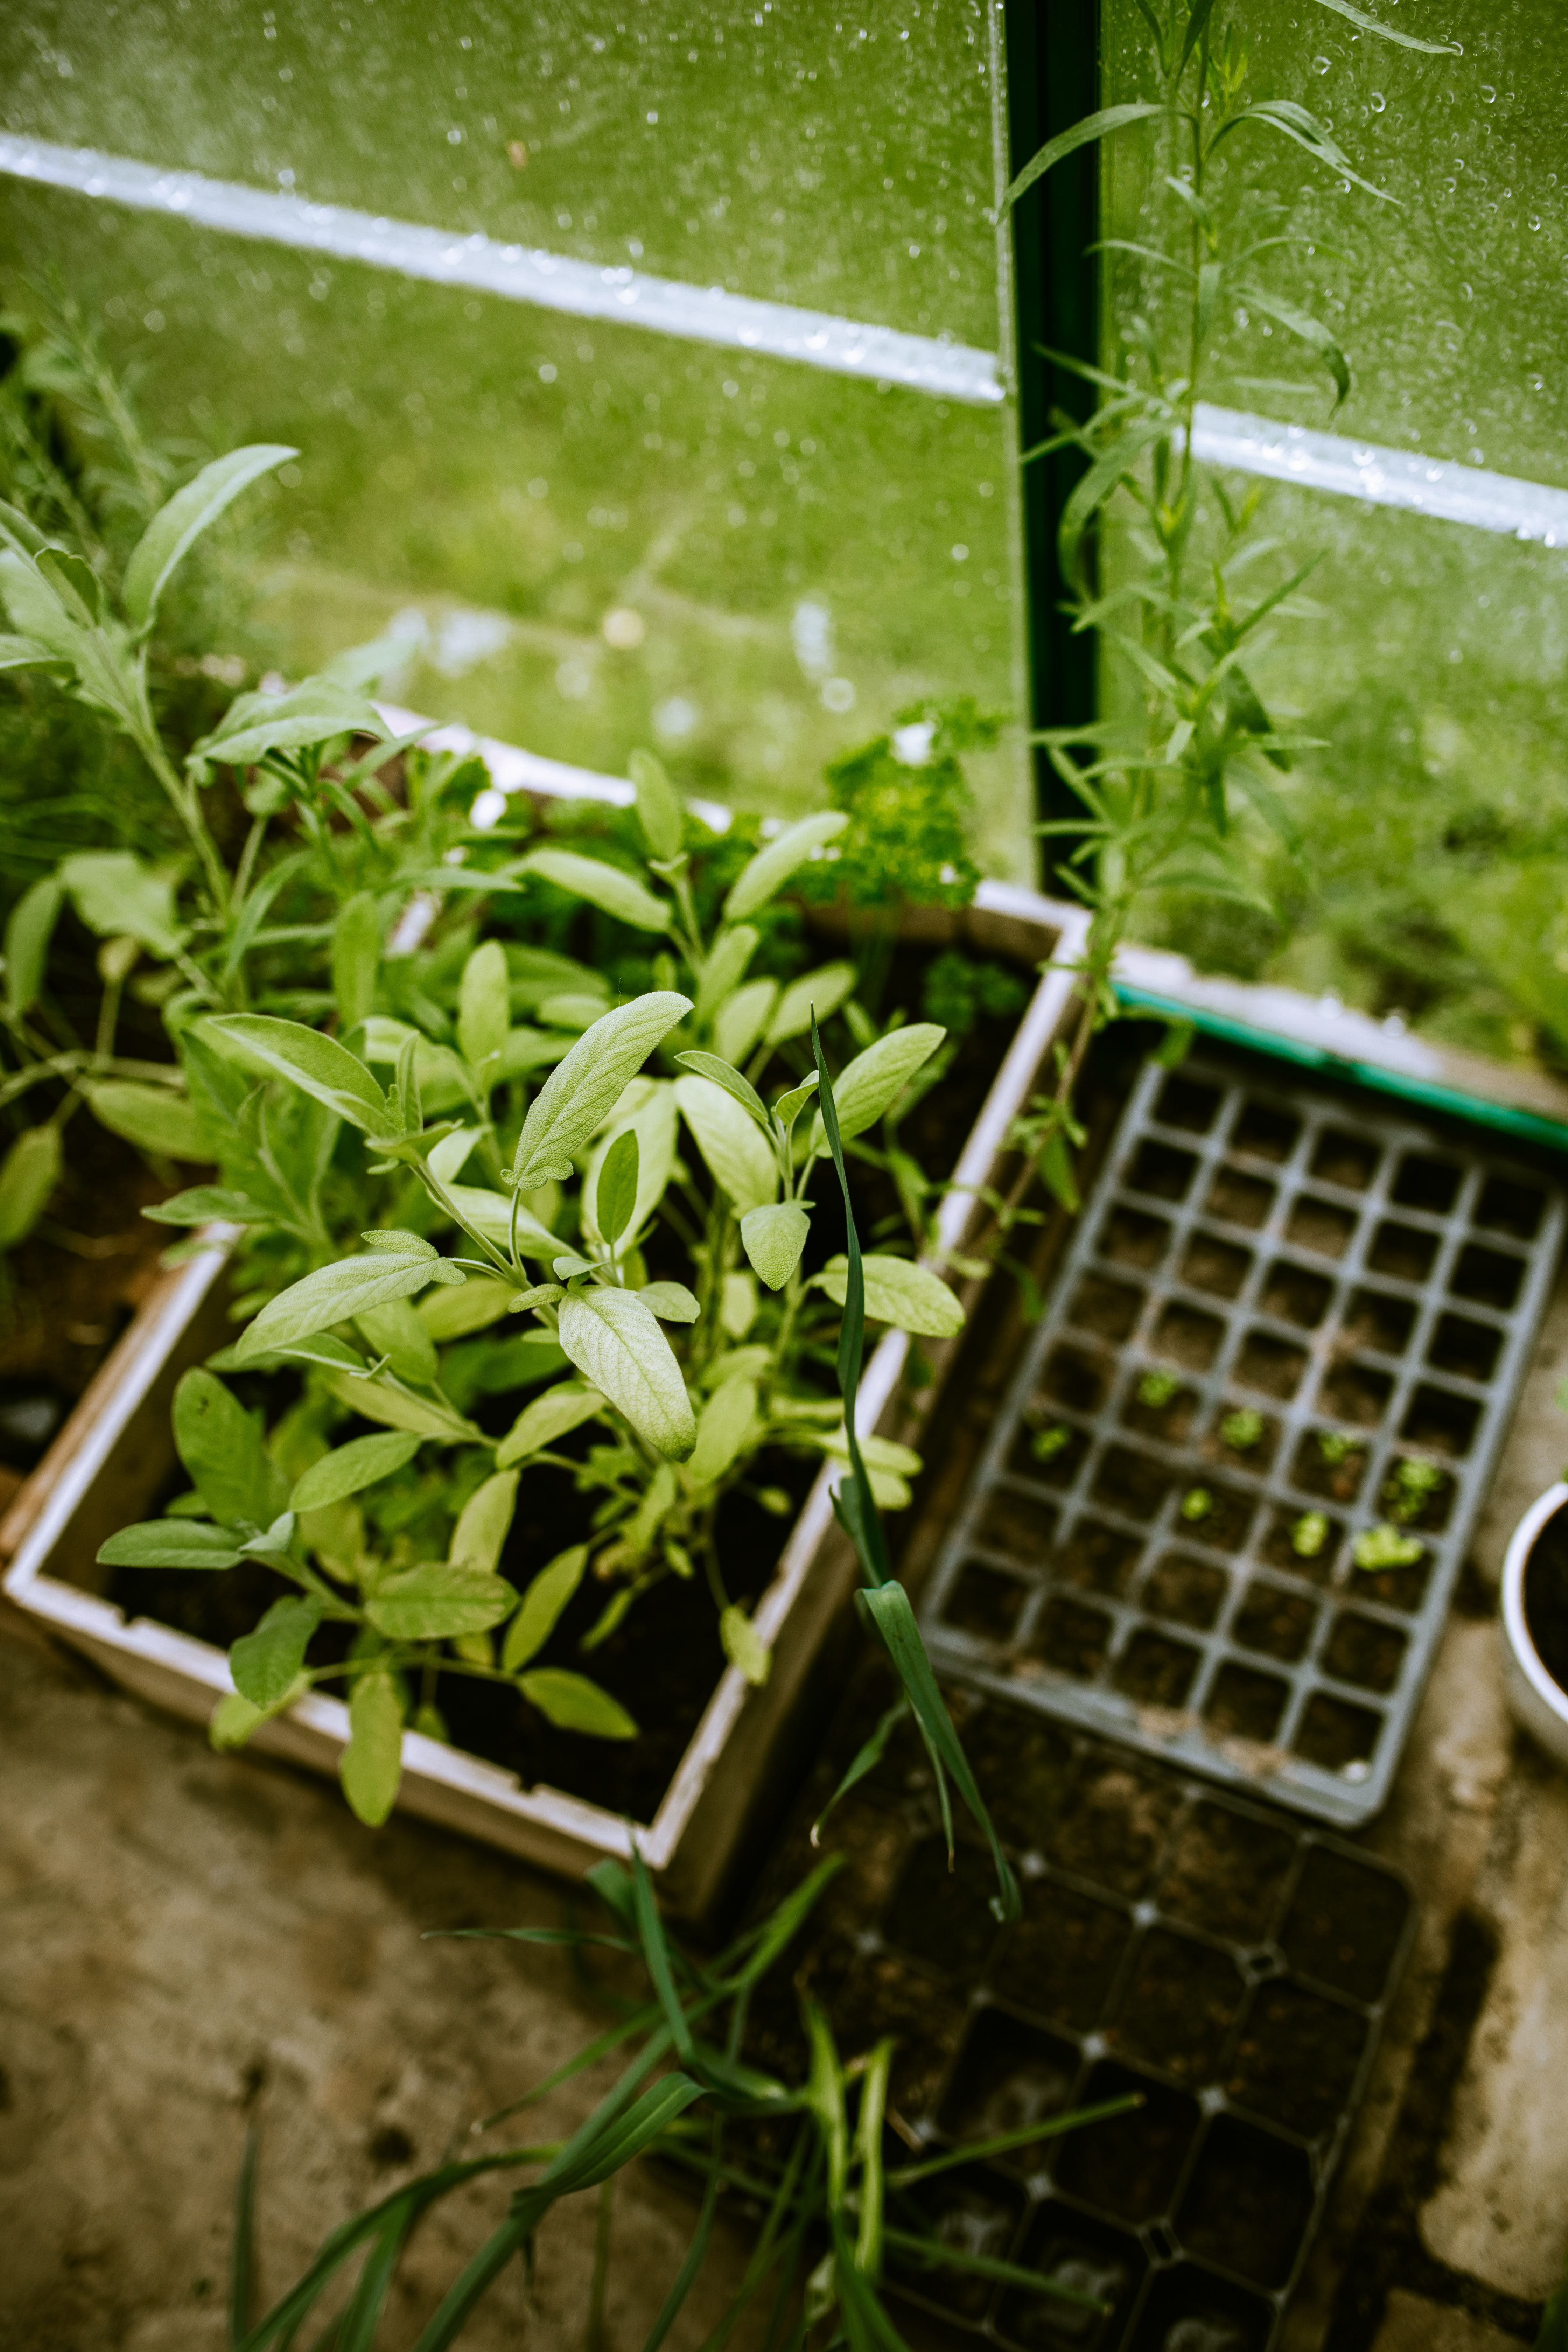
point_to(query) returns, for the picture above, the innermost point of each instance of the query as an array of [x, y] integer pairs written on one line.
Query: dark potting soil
[[71, 1288], [1546, 1597], [661, 1662], [664, 1660]]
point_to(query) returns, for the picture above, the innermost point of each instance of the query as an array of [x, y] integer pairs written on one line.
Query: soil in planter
[[1277, 1326], [662, 1662], [1546, 1597], [71, 1288]]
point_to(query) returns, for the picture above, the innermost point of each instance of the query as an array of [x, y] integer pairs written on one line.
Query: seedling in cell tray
[[1365, 1462]]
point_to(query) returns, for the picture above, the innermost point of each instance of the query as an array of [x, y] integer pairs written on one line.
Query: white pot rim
[[1516, 1627]]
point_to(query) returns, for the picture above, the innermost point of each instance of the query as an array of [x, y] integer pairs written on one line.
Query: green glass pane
[[840, 160], [597, 536], [1452, 302], [1433, 886]]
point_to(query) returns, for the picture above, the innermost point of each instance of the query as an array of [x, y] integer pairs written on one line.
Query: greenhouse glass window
[[642, 361], [1436, 496]]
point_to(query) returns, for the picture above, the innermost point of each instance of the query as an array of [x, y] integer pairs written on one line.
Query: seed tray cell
[[1285, 1327], [1229, 1964]]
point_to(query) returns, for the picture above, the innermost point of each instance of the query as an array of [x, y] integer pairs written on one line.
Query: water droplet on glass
[[1378, 101], [1535, 220], [1320, 65], [1488, 92]]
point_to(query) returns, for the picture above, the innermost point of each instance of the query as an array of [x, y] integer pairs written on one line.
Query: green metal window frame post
[[1053, 80]]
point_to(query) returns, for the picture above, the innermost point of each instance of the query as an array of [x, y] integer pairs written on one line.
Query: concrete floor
[[191, 1939]]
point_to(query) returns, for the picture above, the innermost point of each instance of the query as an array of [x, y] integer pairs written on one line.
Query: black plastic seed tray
[[1227, 1963], [1223, 1509]]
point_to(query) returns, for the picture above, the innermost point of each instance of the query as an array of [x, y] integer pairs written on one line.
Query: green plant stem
[[182, 795]]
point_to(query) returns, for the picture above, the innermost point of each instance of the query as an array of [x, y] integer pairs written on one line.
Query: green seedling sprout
[[1158, 1387], [1413, 1485], [1337, 1445], [1308, 1535], [1196, 1504], [1242, 1430], [1385, 1547], [1046, 1443]]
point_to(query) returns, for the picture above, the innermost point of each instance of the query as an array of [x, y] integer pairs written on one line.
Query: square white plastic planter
[[108, 1462]]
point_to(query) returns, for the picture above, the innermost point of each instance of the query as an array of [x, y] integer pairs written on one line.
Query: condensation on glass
[[1435, 818], [595, 536]]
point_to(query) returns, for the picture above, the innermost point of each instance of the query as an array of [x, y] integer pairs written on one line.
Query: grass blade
[[656, 1955], [242, 2263]]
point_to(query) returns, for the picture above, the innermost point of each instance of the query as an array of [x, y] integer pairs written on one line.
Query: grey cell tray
[[1230, 1967], [1333, 1267]]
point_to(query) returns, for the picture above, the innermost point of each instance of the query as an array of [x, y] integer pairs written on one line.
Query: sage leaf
[[448, 1158], [871, 1084], [438, 1600], [177, 525], [725, 968], [335, 1294], [605, 887], [647, 1109], [789, 1105], [615, 1191], [265, 1664], [200, 1204], [117, 896], [670, 1301], [659, 811], [617, 1344], [319, 1066], [371, 1766], [773, 866], [744, 1646], [484, 1011], [910, 1297], [350, 1468], [721, 1431], [581, 1090], [738, 1302], [572, 1703], [552, 1415], [821, 991], [226, 1453], [233, 1720], [171, 1543], [773, 1238], [313, 712], [396, 1330], [734, 1081], [740, 1022], [542, 1602], [451, 1313], [396, 1409], [29, 1175], [483, 1522], [738, 1158], [356, 957], [166, 1125], [29, 928]]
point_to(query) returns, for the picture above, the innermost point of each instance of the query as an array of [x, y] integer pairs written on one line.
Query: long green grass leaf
[[975, 2151], [242, 2261], [1067, 142], [656, 1955]]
